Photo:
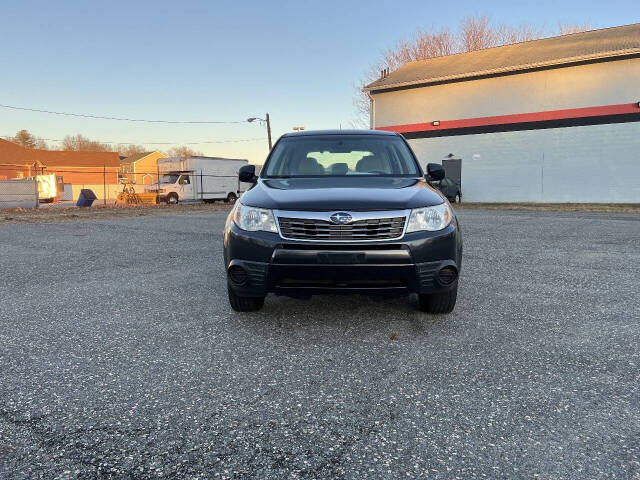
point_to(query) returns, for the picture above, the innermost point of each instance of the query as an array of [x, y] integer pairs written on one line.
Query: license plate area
[[341, 257], [328, 256], [341, 277]]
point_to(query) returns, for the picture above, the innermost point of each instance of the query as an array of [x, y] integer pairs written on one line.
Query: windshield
[[170, 178], [341, 156]]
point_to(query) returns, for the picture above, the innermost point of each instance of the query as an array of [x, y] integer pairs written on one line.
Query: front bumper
[[258, 263]]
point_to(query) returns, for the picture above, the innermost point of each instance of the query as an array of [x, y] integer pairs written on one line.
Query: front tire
[[457, 198], [438, 302], [232, 197], [244, 304], [172, 199]]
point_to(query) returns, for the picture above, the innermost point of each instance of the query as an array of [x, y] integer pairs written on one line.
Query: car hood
[[342, 193]]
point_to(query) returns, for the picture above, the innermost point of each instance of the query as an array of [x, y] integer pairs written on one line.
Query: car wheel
[[231, 198], [438, 302], [244, 304], [172, 199], [457, 198]]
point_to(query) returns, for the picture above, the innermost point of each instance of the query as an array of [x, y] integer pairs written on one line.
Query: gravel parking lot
[[120, 357]]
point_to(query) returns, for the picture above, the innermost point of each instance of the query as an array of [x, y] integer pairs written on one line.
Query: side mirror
[[247, 174], [435, 171]]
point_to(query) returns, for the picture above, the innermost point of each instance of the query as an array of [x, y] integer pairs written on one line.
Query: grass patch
[[47, 213]]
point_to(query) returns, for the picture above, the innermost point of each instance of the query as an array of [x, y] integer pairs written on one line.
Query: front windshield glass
[[341, 156], [169, 178]]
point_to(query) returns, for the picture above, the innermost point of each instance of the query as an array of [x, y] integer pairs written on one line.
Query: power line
[[102, 117], [204, 142]]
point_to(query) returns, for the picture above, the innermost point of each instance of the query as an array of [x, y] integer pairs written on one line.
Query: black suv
[[342, 212]]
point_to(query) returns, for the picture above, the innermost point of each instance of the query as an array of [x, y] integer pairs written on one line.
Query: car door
[[186, 187]]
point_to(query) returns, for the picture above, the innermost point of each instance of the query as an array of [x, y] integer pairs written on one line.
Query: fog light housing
[[237, 275], [447, 275]]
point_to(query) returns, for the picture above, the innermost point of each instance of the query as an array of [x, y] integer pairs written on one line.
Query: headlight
[[253, 219], [430, 219]]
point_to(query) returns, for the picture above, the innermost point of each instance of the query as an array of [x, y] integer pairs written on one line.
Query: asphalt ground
[[120, 357]]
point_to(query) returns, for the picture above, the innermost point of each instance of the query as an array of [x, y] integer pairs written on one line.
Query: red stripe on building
[[586, 112]]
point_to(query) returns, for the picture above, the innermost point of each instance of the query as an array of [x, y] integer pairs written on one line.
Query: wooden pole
[[157, 182], [35, 182], [269, 130]]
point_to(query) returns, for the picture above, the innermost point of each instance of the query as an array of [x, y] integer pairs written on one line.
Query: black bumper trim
[[256, 277], [332, 256], [318, 278]]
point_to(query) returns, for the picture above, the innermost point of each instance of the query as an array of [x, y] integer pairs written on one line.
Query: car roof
[[308, 133]]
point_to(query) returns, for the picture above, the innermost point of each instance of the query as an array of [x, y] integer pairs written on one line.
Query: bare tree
[[130, 149], [567, 28], [81, 143], [26, 139], [183, 151], [474, 33], [477, 33], [423, 45], [505, 34]]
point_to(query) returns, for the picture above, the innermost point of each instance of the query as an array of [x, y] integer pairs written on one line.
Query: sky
[[221, 61]]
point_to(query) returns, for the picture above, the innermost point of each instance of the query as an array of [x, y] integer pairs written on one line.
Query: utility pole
[[268, 130], [35, 183], [267, 121]]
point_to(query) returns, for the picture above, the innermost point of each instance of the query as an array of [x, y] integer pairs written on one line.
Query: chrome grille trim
[[372, 226]]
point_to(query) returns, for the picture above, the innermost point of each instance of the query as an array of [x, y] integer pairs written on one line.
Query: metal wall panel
[[598, 163]]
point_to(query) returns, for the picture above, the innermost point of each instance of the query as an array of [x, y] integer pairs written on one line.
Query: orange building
[[80, 169], [140, 168]]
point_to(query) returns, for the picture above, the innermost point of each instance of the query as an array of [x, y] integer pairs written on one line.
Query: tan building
[[141, 168], [550, 120]]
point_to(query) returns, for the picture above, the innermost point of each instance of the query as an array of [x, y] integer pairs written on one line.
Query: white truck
[[46, 187], [198, 179]]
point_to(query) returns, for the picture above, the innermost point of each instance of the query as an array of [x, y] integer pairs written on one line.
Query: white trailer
[[198, 179]]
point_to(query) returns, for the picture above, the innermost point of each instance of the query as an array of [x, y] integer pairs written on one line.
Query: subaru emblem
[[341, 218]]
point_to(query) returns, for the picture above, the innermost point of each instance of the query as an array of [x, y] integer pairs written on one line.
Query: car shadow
[[350, 315]]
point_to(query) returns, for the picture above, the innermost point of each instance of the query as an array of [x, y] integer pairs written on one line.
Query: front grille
[[313, 229]]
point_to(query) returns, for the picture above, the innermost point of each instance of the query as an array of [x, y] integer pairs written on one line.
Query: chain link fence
[[29, 187], [18, 193]]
